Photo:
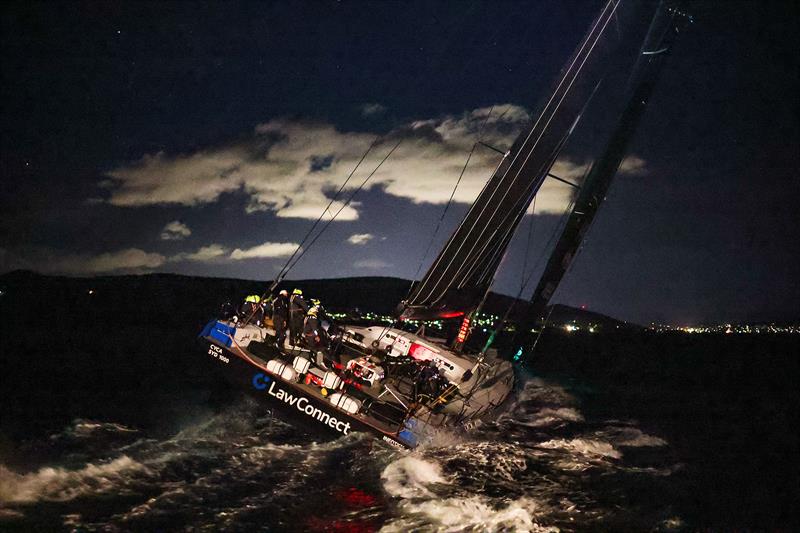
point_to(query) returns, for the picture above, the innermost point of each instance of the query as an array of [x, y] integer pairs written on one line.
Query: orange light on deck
[[463, 331]]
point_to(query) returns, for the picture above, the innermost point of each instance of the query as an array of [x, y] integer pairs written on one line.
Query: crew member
[[428, 380], [228, 311], [280, 317], [315, 336], [297, 312], [251, 310]]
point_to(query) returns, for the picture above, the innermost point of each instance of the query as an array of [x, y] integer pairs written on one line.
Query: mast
[[664, 29], [466, 266]]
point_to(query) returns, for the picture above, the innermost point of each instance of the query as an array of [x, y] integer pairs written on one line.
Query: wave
[[472, 513], [410, 476], [61, 484], [549, 416], [585, 447], [526, 472], [415, 482], [84, 428], [630, 437]]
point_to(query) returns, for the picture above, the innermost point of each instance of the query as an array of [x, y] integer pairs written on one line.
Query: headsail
[[464, 269], [661, 35]]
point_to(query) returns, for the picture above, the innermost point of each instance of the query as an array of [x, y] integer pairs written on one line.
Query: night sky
[[204, 139]]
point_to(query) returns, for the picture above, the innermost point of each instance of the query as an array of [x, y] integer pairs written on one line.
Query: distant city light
[[728, 329], [486, 322]]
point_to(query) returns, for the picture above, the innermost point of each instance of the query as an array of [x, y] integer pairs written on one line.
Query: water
[[542, 466], [113, 419]]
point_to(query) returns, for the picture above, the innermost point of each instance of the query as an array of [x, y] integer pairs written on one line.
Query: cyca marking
[[216, 353]]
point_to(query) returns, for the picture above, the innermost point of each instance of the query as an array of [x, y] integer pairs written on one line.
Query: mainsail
[[664, 28], [464, 269]]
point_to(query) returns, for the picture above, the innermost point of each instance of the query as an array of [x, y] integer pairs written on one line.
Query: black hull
[[290, 402]]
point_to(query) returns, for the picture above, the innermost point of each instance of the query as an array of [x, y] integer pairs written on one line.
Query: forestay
[[464, 269]]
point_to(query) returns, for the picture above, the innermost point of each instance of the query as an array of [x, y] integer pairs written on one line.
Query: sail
[[664, 28], [465, 268]]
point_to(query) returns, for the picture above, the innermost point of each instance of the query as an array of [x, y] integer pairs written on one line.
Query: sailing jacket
[[297, 304], [280, 307]]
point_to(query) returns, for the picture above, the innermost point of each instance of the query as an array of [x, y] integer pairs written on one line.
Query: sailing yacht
[[403, 387]]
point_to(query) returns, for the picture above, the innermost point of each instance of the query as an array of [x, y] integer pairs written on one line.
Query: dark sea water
[[543, 466], [116, 421]]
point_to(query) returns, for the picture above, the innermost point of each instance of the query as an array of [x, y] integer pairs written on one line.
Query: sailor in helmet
[[297, 312], [251, 310], [315, 336]]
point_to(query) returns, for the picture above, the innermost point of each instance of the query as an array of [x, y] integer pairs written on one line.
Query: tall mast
[[664, 29], [466, 266]]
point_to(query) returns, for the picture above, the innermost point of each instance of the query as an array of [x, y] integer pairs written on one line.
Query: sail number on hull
[[216, 353]]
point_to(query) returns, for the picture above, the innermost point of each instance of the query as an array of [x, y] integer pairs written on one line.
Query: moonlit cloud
[[360, 238], [130, 259], [175, 231], [632, 164], [372, 109], [374, 264], [216, 253], [203, 254], [292, 168], [266, 250]]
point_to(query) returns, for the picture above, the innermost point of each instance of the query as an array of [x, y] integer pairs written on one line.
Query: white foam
[[586, 447], [635, 438], [83, 429], [502, 458], [581, 454], [537, 389], [553, 416], [672, 523], [472, 513], [409, 476], [412, 480], [59, 484]]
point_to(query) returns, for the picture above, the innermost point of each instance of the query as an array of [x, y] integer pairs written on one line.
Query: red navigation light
[[453, 314]]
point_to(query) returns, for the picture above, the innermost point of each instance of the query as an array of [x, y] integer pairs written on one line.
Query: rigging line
[[507, 226], [544, 325], [544, 111], [556, 231], [441, 254], [616, 22], [285, 269], [444, 212], [452, 195], [544, 128], [531, 196], [534, 188], [345, 204], [528, 244]]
